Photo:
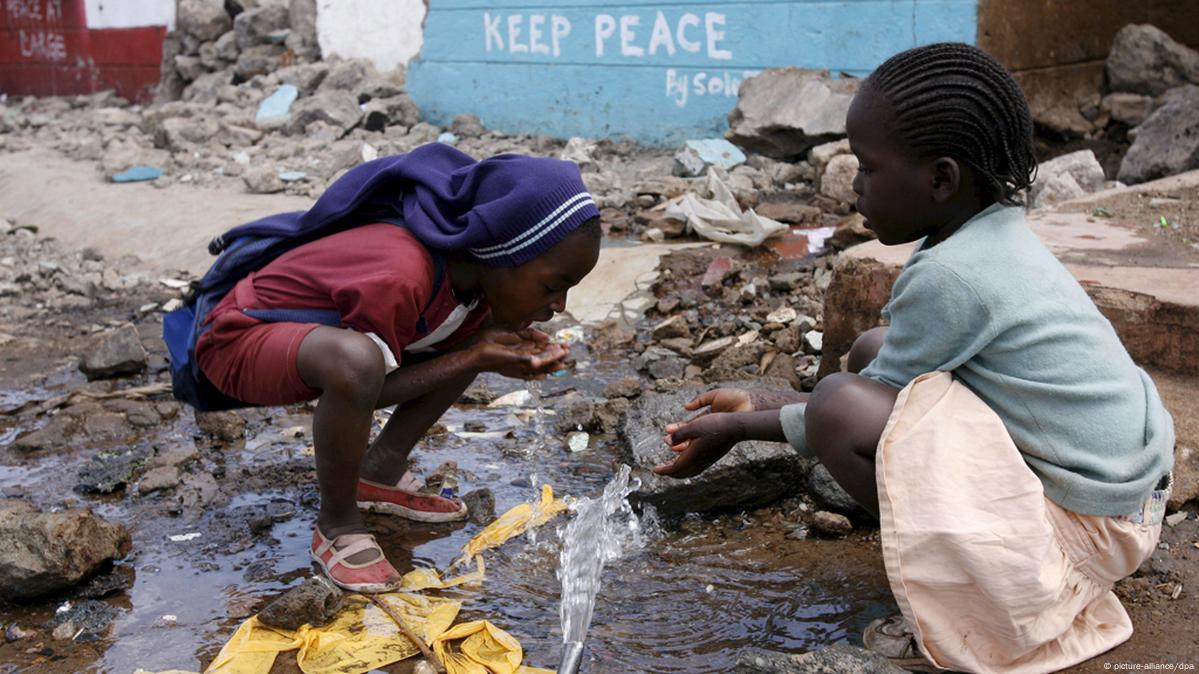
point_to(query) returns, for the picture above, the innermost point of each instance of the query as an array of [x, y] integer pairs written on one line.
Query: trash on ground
[[720, 217], [137, 174]]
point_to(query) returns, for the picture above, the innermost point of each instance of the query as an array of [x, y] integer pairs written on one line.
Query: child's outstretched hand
[[524, 354], [700, 443]]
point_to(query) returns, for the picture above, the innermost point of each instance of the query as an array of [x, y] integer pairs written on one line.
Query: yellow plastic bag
[[484, 649], [516, 521], [362, 637]]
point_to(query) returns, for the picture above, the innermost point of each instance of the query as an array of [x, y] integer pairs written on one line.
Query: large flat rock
[[751, 475]]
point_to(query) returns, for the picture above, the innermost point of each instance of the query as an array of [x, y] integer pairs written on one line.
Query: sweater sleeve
[[938, 322]]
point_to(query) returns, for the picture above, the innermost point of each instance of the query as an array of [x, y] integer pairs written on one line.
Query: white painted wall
[[130, 13], [388, 32]]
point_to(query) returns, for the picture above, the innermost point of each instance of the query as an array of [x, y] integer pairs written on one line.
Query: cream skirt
[[993, 576]]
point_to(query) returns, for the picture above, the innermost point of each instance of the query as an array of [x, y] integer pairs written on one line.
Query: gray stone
[[1168, 142], [838, 659], [118, 353], [314, 602], [203, 19], [1145, 60], [259, 26], [837, 180], [258, 60], [831, 525], [226, 47], [87, 620], [301, 18], [784, 112], [41, 553], [112, 470], [380, 113], [625, 387], [262, 180], [207, 88], [828, 494], [821, 155], [338, 109], [1130, 109], [752, 474], [1083, 169], [305, 77], [189, 67], [54, 435], [675, 326], [480, 505], [157, 479], [222, 426], [182, 133], [347, 75], [466, 125]]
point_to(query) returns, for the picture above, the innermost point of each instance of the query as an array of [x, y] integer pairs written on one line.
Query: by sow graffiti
[[657, 73], [47, 47]]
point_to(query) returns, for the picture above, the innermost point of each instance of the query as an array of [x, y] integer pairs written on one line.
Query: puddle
[[687, 602]]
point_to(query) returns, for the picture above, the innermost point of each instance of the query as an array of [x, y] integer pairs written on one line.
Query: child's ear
[[946, 179]]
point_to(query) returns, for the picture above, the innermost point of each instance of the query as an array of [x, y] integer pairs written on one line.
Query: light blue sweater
[[992, 305]]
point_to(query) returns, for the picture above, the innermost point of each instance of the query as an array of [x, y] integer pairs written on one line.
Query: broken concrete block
[[837, 181], [1066, 177], [697, 155], [784, 112]]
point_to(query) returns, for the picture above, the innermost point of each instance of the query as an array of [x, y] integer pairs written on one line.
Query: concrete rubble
[[47, 552]]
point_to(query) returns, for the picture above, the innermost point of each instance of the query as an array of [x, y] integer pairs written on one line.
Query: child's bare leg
[[387, 458], [348, 369], [865, 349], [844, 419]]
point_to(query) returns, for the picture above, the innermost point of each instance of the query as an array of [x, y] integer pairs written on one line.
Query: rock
[[257, 60], [480, 506], [1130, 109], [597, 416], [118, 353], [189, 67], [837, 181], [851, 230], [181, 133], [305, 77], [789, 208], [751, 475], [829, 494], [831, 525], [611, 334], [262, 180], [222, 426], [787, 339], [1186, 477], [207, 89], [274, 109], [675, 326], [157, 479], [1168, 142], [84, 621], [203, 19], [42, 553], [347, 75], [466, 125], [1051, 186], [314, 603], [399, 110], [301, 19], [736, 362], [111, 470], [785, 282], [235, 136], [784, 112], [838, 659], [1145, 60], [661, 363], [226, 46], [697, 155], [260, 26], [625, 387], [336, 108], [711, 349], [719, 269], [813, 342], [821, 155], [54, 435]]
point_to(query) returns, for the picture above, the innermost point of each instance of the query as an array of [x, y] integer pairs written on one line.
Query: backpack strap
[[330, 317]]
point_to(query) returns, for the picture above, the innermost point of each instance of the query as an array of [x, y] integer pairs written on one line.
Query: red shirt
[[378, 277]]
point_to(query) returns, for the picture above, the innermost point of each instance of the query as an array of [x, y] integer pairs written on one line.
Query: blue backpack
[[241, 250]]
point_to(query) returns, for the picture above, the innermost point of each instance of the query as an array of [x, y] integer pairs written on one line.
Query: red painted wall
[[46, 49]]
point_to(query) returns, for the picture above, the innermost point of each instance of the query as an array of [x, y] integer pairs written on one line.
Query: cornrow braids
[[953, 100]]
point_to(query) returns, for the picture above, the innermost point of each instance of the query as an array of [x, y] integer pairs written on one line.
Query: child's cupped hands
[[521, 354], [700, 442]]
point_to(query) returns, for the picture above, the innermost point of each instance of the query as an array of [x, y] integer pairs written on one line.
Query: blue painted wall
[[659, 72]]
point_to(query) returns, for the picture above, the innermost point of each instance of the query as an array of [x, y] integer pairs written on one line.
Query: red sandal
[[377, 575], [408, 503]]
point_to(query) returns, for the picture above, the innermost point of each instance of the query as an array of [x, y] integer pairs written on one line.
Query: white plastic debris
[[720, 217], [577, 441], [572, 335], [182, 538], [174, 283]]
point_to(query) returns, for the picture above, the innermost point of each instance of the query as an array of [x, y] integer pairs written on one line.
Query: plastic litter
[[275, 108], [137, 174], [363, 637], [292, 176], [720, 217]]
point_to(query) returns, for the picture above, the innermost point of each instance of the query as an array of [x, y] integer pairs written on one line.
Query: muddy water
[[701, 589]]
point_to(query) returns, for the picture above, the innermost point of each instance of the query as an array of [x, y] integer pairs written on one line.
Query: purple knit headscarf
[[505, 210]]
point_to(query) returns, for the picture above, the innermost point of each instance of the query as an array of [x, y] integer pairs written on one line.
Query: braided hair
[[953, 100]]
